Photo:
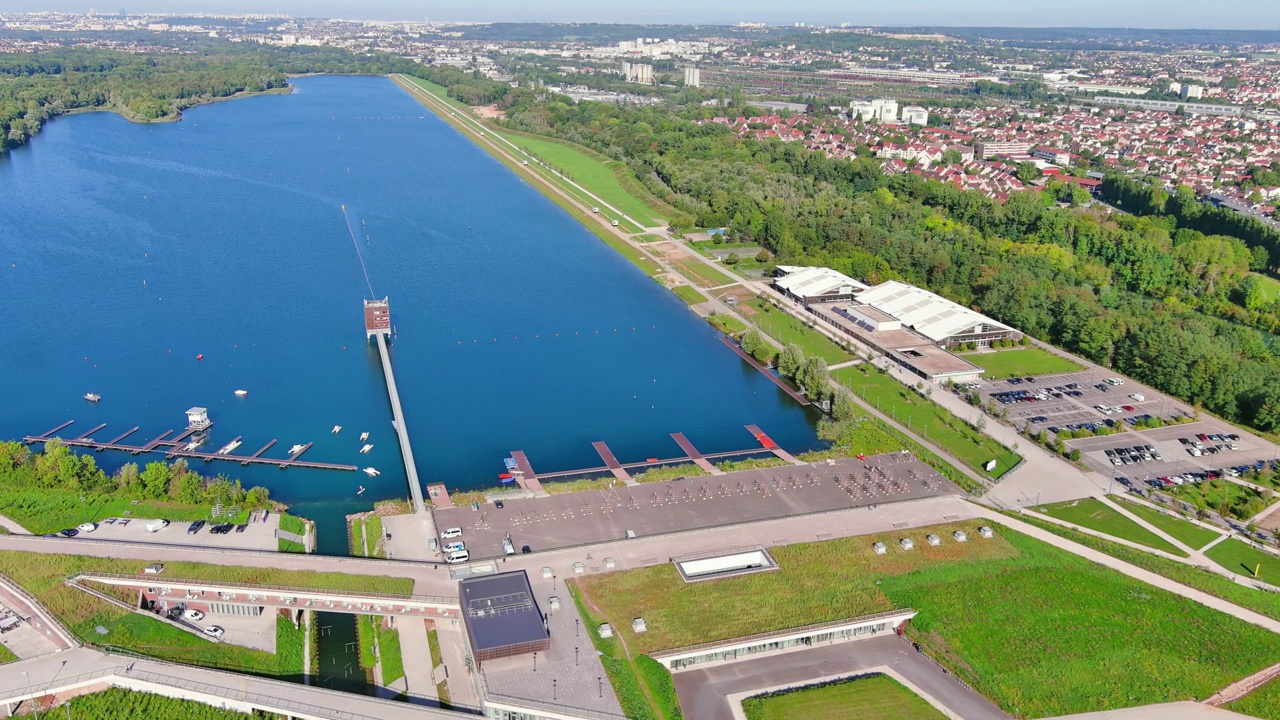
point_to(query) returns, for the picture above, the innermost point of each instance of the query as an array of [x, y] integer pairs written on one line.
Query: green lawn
[[6, 655], [702, 274], [871, 697], [590, 171], [1261, 703], [1095, 515], [48, 510], [690, 294], [726, 323], [1259, 601], [1270, 285], [1039, 631], [650, 238], [1239, 557], [433, 645], [1184, 531], [115, 703], [1240, 502], [643, 693], [785, 328], [1021, 362], [927, 418], [389, 647]]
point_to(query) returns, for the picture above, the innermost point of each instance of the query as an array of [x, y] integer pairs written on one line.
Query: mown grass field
[[116, 703], [392, 660], [1020, 362], [1039, 631], [871, 697], [701, 274], [6, 655], [726, 323], [786, 329], [592, 172], [1210, 582], [690, 294], [46, 510], [1184, 531], [928, 419], [1240, 558], [1093, 514]]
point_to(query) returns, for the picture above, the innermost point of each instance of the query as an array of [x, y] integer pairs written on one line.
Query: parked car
[[452, 532], [88, 527], [194, 527], [192, 615], [157, 525], [69, 532], [214, 631], [455, 547], [457, 557], [241, 527]]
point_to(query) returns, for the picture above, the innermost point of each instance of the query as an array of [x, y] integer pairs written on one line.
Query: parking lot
[[256, 535], [1073, 400], [1176, 458]]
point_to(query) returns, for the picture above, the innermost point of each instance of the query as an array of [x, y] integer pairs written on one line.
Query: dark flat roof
[[500, 610]]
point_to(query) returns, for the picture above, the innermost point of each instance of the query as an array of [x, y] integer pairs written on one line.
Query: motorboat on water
[[92, 397], [296, 449], [195, 442], [366, 448], [242, 393], [371, 472], [226, 449], [337, 429], [360, 491], [364, 436]]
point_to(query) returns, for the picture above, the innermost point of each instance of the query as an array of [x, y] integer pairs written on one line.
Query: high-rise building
[[692, 77], [638, 73], [915, 115]]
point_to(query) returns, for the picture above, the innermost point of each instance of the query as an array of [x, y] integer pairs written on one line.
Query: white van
[[452, 532], [1138, 397], [157, 525], [460, 556]]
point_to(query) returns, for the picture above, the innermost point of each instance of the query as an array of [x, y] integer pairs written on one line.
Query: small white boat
[[360, 491], [226, 449], [92, 397], [242, 393], [366, 448], [337, 429], [371, 472], [296, 448], [364, 436]]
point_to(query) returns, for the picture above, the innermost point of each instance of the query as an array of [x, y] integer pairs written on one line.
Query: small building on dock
[[377, 317], [198, 419]]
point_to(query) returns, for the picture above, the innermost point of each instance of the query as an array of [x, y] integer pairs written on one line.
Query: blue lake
[[127, 250]]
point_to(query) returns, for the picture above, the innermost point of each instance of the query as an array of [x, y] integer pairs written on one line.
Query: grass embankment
[[987, 608], [670, 472], [1184, 531], [1224, 497], [689, 294], [115, 703], [556, 487], [433, 645], [927, 418], [544, 185], [650, 238], [1199, 578], [1094, 514], [46, 510], [755, 463], [365, 537], [870, 697], [1021, 362], [369, 629], [43, 576], [786, 329], [1243, 559], [6, 655], [295, 525], [726, 323]]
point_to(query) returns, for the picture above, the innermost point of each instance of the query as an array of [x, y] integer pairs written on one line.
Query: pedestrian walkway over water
[[410, 469]]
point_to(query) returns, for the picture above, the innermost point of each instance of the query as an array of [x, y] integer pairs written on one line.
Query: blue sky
[[1252, 14]]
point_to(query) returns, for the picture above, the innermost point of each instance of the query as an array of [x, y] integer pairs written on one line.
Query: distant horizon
[[1238, 15]]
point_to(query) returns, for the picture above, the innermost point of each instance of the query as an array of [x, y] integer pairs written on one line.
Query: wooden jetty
[[768, 443], [612, 462], [776, 380], [694, 455], [527, 478], [173, 448]]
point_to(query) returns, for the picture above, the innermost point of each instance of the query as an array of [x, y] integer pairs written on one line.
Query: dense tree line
[[57, 468], [1168, 303]]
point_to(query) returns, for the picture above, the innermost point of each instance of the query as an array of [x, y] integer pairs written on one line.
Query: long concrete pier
[[410, 469]]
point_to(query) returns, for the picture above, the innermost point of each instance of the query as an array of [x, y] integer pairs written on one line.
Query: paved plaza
[[585, 518]]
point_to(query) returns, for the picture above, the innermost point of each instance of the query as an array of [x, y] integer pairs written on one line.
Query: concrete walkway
[[397, 414], [1133, 571], [419, 674], [89, 670], [13, 527], [1120, 508]]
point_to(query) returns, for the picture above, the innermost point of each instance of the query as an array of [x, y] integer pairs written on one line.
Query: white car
[[214, 631], [88, 527], [457, 557], [455, 547], [1138, 396], [452, 532], [193, 615]]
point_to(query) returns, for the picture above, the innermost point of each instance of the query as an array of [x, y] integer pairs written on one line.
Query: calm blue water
[[126, 250]]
